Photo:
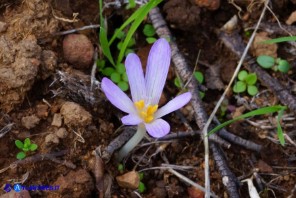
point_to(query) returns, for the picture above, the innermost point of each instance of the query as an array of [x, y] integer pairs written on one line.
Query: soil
[[45, 96]]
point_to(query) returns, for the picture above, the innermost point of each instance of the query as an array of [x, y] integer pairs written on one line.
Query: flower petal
[[157, 69], [117, 97], [131, 119], [135, 75], [176, 103], [158, 128]]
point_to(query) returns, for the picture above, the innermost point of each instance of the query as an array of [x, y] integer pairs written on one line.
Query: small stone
[[30, 122], [209, 4], [75, 115], [51, 139], [57, 120], [3, 26], [129, 180], [42, 110], [258, 48], [78, 50], [62, 133]]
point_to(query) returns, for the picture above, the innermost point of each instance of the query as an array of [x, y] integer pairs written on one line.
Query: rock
[[264, 167], [57, 120], [18, 69], [42, 110], [78, 50], [3, 26], [13, 194], [76, 183], [62, 133], [51, 139], [258, 48], [129, 180], [291, 19], [30, 122], [75, 115]]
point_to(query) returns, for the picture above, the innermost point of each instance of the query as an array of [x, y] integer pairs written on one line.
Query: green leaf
[[19, 144], [281, 39], [242, 75], [120, 167], [149, 30], [199, 77], [115, 77], [108, 71], [280, 132], [251, 79], [150, 40], [128, 51], [131, 4], [283, 66], [201, 94], [261, 111], [27, 142], [119, 34], [33, 147], [239, 87], [120, 68], [124, 77], [141, 187], [135, 25], [252, 90], [177, 82], [123, 85], [101, 64], [119, 45], [131, 43], [105, 46], [21, 155], [265, 61]]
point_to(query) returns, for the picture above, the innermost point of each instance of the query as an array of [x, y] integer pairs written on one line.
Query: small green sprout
[[141, 187], [25, 146], [278, 64], [247, 82], [149, 32], [198, 76]]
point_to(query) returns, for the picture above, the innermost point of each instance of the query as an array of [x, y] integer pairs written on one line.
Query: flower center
[[146, 112]]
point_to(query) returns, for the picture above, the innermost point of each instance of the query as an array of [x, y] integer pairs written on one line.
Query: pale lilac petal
[[158, 128], [157, 69], [131, 119], [176, 103], [135, 75], [117, 97]]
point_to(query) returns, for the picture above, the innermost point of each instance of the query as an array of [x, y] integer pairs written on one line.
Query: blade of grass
[[279, 128], [146, 8], [279, 40], [261, 111], [126, 23], [105, 45]]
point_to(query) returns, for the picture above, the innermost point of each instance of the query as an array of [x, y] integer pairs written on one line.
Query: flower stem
[[132, 143]]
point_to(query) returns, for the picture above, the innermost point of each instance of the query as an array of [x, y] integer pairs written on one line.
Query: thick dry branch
[[185, 74], [235, 43]]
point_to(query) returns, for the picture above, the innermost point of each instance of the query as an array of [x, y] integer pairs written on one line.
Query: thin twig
[[76, 30]]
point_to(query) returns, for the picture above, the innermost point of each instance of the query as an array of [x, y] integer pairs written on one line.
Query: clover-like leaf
[[251, 79], [124, 77], [149, 30], [120, 68], [151, 40], [19, 144], [199, 77], [242, 75], [252, 90], [239, 87], [283, 66], [27, 142], [265, 61], [33, 147], [123, 85], [115, 77], [21, 155], [108, 71]]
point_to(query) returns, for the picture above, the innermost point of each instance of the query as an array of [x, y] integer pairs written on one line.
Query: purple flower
[[146, 91]]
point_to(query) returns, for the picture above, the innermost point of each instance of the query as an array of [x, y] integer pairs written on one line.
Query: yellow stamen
[[140, 104], [146, 113]]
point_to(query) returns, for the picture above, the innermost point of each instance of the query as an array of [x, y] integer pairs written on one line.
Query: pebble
[[30, 122], [129, 180], [51, 139], [62, 133], [3, 26], [57, 120], [75, 115], [78, 50]]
